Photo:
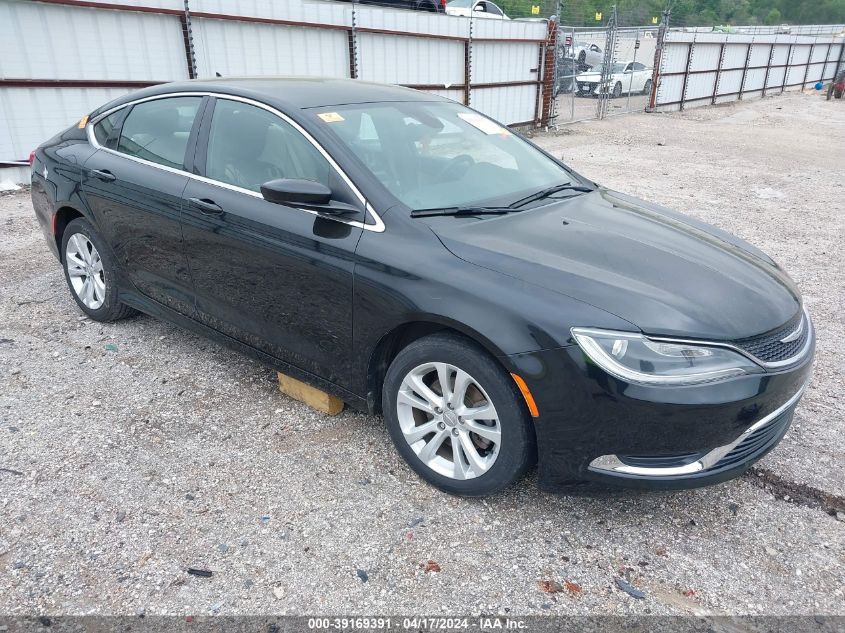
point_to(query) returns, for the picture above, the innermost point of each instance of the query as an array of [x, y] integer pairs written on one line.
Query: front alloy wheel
[[456, 416], [448, 420]]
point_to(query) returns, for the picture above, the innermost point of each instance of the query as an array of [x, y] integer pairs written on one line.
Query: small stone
[[771, 551], [15, 372], [96, 403], [120, 516], [630, 589], [840, 516], [223, 548], [279, 592], [190, 497], [364, 576]]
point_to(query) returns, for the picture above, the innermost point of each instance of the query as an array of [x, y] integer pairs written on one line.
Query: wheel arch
[[402, 335], [63, 216]]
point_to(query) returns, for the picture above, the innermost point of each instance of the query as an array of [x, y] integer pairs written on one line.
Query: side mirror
[[296, 191], [307, 194]]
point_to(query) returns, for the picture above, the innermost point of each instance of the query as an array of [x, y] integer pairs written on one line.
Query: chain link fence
[[602, 71]]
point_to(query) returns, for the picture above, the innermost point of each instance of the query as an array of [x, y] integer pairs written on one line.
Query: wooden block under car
[[311, 396]]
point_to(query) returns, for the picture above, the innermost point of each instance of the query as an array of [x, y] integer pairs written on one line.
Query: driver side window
[[248, 146]]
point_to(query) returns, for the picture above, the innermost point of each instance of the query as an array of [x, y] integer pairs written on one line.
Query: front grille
[[661, 461], [757, 441], [769, 348]]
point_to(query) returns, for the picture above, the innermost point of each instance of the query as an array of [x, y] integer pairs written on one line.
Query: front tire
[[647, 87], [617, 90], [472, 438], [91, 273]]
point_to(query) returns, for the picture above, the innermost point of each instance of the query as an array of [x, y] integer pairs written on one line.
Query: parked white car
[[625, 77], [476, 8], [588, 55]]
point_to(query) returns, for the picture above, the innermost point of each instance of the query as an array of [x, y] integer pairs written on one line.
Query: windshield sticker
[[331, 117], [483, 123]]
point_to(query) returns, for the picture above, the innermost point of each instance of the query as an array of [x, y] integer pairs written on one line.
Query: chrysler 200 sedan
[[417, 259]]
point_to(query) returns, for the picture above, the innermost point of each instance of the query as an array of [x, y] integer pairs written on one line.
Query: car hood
[[666, 273]]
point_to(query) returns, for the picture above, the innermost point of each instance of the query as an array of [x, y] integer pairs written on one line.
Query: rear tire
[[91, 273], [838, 93], [475, 443]]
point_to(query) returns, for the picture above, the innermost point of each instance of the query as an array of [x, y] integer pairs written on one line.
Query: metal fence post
[[188, 41], [352, 35], [690, 49], [548, 76], [745, 69], [718, 73], [658, 60], [786, 68], [836, 70], [768, 68], [807, 67], [468, 64], [607, 66]]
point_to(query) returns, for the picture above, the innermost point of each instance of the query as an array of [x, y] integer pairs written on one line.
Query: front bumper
[[595, 427]]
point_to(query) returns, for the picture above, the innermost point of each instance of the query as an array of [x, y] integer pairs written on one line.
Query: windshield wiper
[[545, 193], [426, 213]]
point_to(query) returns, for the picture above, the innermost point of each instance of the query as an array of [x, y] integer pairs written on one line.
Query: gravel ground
[[132, 451]]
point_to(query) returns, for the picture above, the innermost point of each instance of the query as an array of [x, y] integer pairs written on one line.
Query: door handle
[[207, 206], [104, 175]]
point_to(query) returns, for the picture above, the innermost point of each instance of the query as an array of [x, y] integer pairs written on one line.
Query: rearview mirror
[[296, 191]]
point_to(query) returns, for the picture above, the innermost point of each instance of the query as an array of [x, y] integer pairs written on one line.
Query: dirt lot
[[132, 451]]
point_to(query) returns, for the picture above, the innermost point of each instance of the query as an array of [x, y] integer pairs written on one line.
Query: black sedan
[[417, 259]]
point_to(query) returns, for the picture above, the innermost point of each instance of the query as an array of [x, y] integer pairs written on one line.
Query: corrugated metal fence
[[59, 59], [707, 68]]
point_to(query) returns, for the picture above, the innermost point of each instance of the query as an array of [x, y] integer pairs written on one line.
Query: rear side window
[[158, 130], [104, 128], [248, 146]]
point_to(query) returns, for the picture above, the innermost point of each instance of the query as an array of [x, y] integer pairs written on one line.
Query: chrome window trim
[[376, 226], [612, 464], [767, 365]]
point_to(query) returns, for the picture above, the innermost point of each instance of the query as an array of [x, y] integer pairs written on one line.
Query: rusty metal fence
[[698, 68], [89, 52]]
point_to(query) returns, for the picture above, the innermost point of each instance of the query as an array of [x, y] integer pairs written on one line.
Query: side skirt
[[159, 311]]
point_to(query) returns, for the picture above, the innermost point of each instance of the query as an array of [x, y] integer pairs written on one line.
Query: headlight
[[635, 358]]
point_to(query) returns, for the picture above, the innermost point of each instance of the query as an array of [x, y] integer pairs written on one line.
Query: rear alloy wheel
[[457, 417], [90, 273]]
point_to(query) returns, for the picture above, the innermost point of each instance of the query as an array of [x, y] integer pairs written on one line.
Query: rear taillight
[[32, 157], [443, 4]]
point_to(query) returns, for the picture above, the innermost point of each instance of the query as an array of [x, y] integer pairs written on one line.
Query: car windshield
[[441, 154], [614, 68], [460, 4]]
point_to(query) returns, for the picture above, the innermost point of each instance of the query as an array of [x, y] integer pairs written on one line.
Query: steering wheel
[[452, 167]]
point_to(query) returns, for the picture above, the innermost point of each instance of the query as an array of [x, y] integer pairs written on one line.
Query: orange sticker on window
[[331, 117], [83, 122]]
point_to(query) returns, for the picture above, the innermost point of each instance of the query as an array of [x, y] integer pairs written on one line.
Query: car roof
[[288, 92]]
